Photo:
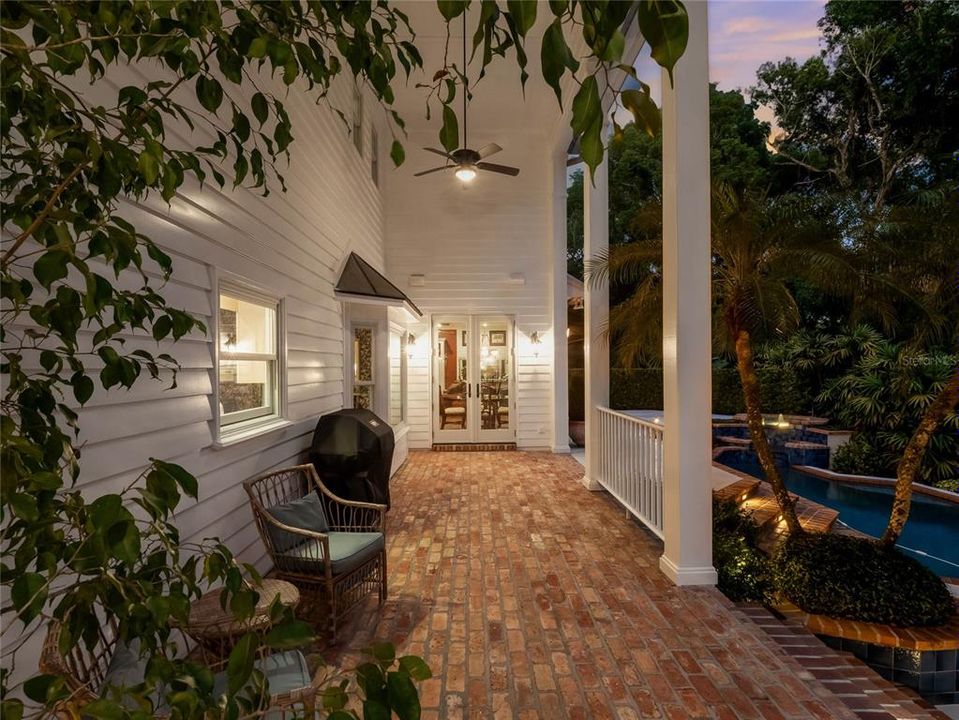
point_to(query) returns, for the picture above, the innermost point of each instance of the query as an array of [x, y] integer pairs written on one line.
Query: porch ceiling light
[[465, 173]]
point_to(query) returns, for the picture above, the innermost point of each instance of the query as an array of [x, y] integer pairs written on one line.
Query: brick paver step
[[739, 491]]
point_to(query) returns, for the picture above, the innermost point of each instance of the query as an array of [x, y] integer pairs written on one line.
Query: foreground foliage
[[744, 570], [860, 579], [82, 287]]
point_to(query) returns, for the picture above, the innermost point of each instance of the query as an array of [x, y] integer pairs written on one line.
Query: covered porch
[[531, 597]]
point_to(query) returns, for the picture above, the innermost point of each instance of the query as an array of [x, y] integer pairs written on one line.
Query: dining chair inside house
[[452, 409]]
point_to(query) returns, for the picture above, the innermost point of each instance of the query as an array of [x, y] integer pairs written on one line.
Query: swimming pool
[[931, 535]]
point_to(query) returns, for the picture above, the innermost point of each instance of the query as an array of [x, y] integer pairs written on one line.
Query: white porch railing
[[630, 464]]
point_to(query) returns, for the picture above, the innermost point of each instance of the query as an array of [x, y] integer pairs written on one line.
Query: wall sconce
[[410, 344], [535, 341]]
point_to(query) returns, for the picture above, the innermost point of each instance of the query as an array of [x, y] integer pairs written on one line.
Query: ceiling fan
[[466, 161]]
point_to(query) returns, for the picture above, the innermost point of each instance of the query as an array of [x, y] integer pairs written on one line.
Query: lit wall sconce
[[535, 341]]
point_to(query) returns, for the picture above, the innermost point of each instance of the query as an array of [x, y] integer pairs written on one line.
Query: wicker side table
[[216, 630]]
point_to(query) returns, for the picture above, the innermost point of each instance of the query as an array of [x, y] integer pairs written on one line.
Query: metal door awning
[[361, 282]]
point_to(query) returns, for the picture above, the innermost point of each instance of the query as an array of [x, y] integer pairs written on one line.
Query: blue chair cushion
[[285, 671], [306, 513], [128, 668], [348, 550]]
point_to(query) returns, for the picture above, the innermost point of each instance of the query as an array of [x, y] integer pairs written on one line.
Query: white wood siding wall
[[467, 240], [292, 244]]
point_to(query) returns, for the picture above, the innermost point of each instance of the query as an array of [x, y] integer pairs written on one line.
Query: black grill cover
[[353, 453]]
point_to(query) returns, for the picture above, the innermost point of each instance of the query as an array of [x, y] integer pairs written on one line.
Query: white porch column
[[596, 300], [558, 276], [687, 348]]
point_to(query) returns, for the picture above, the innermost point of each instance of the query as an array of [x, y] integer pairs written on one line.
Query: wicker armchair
[[87, 671], [334, 570]]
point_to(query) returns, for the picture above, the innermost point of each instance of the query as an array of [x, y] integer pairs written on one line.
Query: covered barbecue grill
[[353, 453]]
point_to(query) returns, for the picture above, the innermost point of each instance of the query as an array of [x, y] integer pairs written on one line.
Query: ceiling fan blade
[[493, 167], [438, 152], [427, 172], [488, 150]]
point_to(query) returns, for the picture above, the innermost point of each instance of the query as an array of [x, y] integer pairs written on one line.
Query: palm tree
[[918, 244], [759, 244]]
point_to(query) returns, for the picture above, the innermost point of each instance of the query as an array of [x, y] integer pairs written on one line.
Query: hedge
[[857, 578], [642, 388]]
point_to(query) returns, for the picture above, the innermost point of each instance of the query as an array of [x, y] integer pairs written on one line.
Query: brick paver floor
[[531, 597]]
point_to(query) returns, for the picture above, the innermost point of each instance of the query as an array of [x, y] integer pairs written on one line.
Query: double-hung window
[[248, 359]]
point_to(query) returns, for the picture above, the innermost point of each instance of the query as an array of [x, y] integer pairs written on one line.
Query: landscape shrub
[[857, 578], [642, 389], [744, 570], [860, 456]]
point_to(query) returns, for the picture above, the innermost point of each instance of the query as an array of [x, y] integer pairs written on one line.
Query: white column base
[[591, 484], [561, 450], [687, 575]]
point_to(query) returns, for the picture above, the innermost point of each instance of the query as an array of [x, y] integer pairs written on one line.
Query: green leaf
[[240, 663], [383, 653], [209, 92], [11, 710], [615, 47], [397, 153], [645, 113], [404, 700], [258, 47], [295, 633], [184, 479], [587, 123], [416, 667], [149, 167], [375, 710], [665, 25], [556, 58], [44, 688], [450, 9], [523, 13], [50, 267], [28, 594], [449, 134], [260, 107], [587, 109], [24, 506]]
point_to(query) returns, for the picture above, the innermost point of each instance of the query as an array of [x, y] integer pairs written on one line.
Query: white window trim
[[259, 424], [404, 374], [358, 112], [372, 384]]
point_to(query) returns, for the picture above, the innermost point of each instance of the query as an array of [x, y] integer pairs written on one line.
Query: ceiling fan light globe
[[465, 173]]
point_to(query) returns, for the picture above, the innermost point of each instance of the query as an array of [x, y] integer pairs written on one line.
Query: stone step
[[765, 511], [733, 440], [738, 491]]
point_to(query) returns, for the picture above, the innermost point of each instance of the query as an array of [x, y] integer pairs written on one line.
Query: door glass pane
[[452, 354], [397, 377], [363, 368], [494, 374]]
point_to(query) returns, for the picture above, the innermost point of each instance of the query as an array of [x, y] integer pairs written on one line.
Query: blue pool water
[[931, 534]]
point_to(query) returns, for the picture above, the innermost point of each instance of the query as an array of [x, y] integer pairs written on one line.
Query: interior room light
[[465, 173]]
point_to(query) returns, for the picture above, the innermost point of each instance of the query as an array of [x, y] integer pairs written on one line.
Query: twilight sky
[[743, 34]]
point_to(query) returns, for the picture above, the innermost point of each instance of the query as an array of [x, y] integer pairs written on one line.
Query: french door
[[473, 385]]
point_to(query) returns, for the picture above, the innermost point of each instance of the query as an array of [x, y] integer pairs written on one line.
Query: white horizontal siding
[[291, 244]]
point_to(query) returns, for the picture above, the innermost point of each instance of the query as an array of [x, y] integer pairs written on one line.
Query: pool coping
[[943, 637], [874, 481]]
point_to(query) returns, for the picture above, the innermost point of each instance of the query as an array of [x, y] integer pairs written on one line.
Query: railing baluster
[[630, 460]]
